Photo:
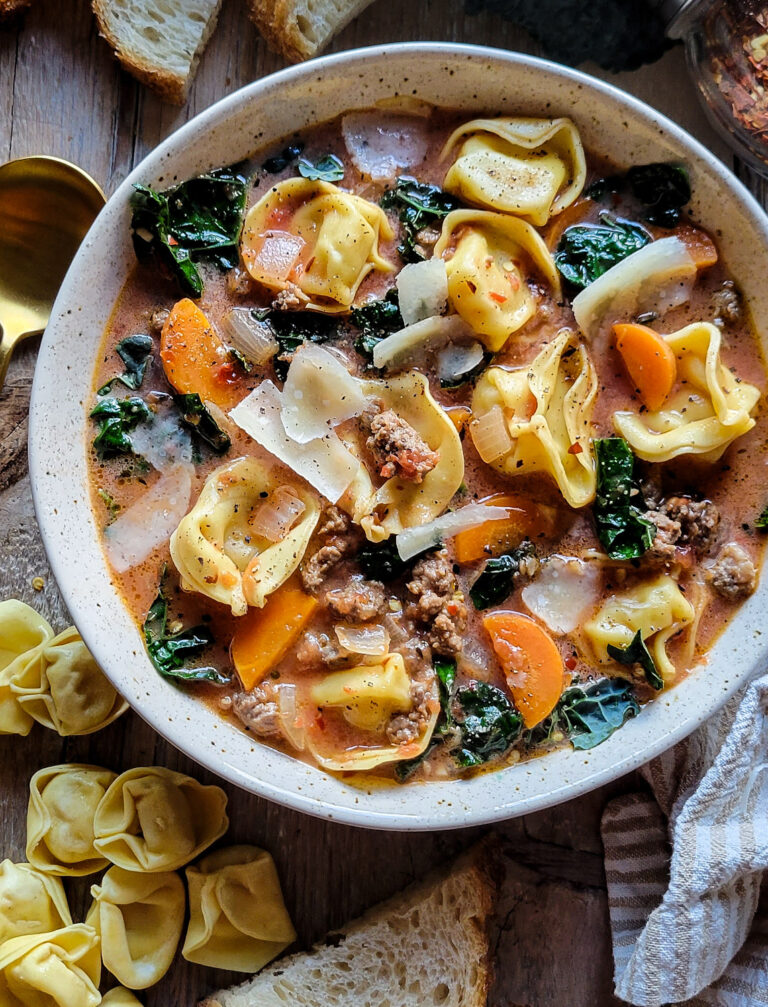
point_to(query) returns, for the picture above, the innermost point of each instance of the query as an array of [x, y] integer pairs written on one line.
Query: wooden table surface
[[62, 93]]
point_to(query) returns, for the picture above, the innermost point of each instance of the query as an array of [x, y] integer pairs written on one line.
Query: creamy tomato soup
[[423, 444]]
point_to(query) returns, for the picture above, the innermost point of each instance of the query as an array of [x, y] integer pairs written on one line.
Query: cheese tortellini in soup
[[532, 168], [367, 697], [30, 902], [538, 418], [237, 917], [315, 241], [119, 997], [400, 503], [657, 608], [59, 969], [62, 804], [225, 549], [489, 258], [707, 410], [139, 918], [61, 686], [153, 819], [22, 630]]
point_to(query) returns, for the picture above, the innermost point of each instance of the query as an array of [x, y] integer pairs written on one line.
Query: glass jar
[[726, 45]]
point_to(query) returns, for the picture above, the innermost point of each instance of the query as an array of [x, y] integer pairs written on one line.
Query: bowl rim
[[352, 812]]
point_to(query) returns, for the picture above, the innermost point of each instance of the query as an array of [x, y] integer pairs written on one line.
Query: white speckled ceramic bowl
[[466, 77]]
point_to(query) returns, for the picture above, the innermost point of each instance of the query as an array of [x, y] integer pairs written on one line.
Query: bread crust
[[170, 87], [277, 20]]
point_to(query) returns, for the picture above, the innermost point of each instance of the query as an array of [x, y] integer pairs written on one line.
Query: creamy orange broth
[[735, 484]]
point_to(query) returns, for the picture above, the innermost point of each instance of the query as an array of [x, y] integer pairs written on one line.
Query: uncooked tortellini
[[546, 407], [399, 503], [62, 804], [367, 697], [30, 902], [314, 239], [237, 917], [532, 168], [62, 687], [488, 262], [657, 608], [21, 631], [119, 997], [139, 918], [216, 548], [709, 409], [59, 969], [152, 819]]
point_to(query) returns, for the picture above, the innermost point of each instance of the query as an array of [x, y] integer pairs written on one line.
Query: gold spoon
[[46, 208]]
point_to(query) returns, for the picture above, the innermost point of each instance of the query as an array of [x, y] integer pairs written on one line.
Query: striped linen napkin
[[684, 867]]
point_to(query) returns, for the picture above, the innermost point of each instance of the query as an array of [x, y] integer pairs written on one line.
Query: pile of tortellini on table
[[141, 826]]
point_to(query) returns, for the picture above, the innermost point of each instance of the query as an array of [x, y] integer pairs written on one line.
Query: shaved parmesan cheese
[[324, 462], [151, 520], [380, 144], [319, 393], [419, 336], [563, 593], [422, 289], [412, 541], [163, 442], [658, 277]]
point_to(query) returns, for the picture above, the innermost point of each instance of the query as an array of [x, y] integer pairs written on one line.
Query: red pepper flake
[[172, 240], [472, 286], [570, 663], [227, 374], [498, 298], [575, 449]]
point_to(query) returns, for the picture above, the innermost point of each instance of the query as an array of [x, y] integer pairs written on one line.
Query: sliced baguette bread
[[300, 29], [158, 41], [427, 945]]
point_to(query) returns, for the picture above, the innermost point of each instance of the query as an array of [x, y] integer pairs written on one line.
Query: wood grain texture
[[62, 93]]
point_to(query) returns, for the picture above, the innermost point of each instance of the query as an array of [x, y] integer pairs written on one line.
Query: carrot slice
[[699, 244], [531, 663], [492, 538], [264, 635], [195, 359], [459, 416], [649, 360]]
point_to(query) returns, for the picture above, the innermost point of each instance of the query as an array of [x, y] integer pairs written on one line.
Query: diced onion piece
[[319, 392], [254, 339], [412, 541], [287, 714], [422, 289], [150, 521], [325, 462], [657, 277], [456, 360], [490, 435], [380, 143], [563, 593], [274, 518], [277, 255], [419, 336], [372, 639]]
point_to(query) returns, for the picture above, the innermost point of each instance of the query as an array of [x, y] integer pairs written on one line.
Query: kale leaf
[[198, 220], [381, 560], [587, 717], [586, 251], [418, 205], [622, 527], [195, 415], [661, 188], [376, 320], [327, 169], [497, 578], [761, 521], [170, 652], [117, 418], [487, 721], [292, 328], [637, 653], [135, 352], [279, 162], [616, 34]]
